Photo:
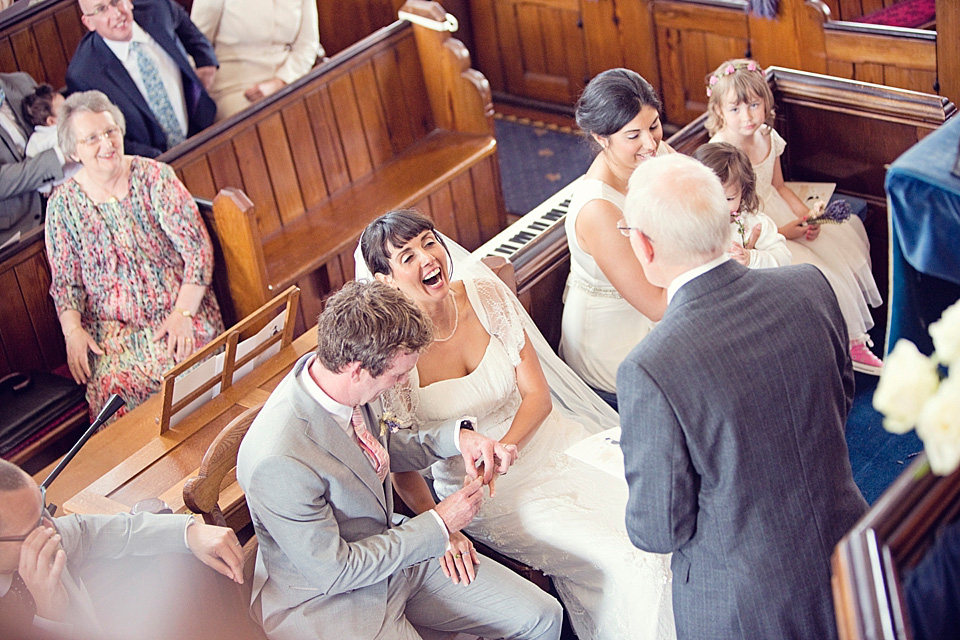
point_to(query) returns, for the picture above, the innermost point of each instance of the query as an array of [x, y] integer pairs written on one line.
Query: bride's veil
[[571, 395]]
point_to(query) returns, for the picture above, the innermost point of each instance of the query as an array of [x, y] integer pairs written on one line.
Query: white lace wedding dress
[[550, 511]]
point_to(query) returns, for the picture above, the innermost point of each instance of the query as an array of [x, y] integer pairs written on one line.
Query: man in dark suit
[[733, 411], [20, 176], [138, 57]]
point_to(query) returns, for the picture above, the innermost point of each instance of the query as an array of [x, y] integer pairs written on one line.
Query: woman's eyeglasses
[[94, 139]]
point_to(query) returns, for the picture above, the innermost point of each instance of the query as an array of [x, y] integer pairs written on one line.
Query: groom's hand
[[495, 456], [458, 509]]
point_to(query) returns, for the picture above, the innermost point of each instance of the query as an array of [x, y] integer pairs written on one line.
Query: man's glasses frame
[[43, 516], [115, 4]]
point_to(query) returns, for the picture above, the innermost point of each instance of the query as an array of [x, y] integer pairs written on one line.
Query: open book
[[810, 192], [601, 450]]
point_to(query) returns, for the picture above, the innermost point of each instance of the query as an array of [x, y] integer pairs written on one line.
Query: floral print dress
[[121, 264]]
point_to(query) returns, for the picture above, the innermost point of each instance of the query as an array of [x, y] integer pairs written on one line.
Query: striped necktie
[[157, 96], [371, 447]]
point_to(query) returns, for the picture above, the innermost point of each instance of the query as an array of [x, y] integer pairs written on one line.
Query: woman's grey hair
[[679, 204], [91, 102]]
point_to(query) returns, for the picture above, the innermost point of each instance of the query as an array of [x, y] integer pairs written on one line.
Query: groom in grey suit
[[733, 411], [334, 561]]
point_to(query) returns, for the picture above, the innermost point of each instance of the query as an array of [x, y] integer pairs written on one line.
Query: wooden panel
[[350, 127], [7, 59], [599, 33], [948, 48], [371, 114], [25, 51], [283, 177], [487, 47], [415, 95], [33, 278], [70, 28], [224, 167], [18, 338], [326, 141], [441, 207], [306, 159], [858, 47], [252, 167], [465, 210], [637, 40], [197, 178], [695, 17], [913, 79], [397, 115], [52, 54], [868, 72], [485, 177]]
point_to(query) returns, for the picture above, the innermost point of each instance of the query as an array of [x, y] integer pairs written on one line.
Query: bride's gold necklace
[[456, 320]]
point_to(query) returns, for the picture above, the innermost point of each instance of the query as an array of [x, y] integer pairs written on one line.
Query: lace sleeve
[[501, 314], [399, 405]]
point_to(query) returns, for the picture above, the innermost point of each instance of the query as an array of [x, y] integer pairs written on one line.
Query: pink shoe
[[863, 359]]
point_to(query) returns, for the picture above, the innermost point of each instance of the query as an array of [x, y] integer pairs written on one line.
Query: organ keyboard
[[533, 242]]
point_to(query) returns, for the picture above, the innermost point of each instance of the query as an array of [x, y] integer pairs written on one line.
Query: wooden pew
[[547, 50], [397, 120], [858, 129], [40, 39], [892, 537]]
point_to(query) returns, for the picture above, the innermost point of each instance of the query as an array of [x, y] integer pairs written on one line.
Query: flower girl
[[740, 111], [756, 242]]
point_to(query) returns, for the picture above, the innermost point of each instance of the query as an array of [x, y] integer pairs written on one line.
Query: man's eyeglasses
[[112, 133], [624, 229], [103, 7], [43, 514]]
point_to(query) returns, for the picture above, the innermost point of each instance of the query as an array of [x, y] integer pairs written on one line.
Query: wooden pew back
[[397, 120], [40, 39], [891, 538]]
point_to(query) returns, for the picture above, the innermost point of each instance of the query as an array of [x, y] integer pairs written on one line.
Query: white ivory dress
[[550, 511], [841, 251]]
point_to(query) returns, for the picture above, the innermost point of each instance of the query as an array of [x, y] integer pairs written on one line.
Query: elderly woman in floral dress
[[130, 259]]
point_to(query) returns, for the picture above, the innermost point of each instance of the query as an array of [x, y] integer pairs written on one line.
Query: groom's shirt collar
[[341, 413], [687, 276]]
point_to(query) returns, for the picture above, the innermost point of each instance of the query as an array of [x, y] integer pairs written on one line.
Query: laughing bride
[[551, 511]]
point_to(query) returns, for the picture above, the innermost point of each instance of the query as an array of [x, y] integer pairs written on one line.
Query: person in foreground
[[62, 577], [130, 260], [334, 561], [553, 512], [732, 411]]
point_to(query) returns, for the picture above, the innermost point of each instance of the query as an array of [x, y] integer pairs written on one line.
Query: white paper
[[601, 450], [810, 192], [191, 380]]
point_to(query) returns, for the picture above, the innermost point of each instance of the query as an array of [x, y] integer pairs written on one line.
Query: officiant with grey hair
[[733, 412]]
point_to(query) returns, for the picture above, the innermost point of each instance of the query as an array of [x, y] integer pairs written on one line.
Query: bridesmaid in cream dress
[[262, 46], [608, 304]]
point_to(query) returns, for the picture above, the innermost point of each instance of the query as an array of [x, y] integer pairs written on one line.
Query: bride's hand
[[459, 560]]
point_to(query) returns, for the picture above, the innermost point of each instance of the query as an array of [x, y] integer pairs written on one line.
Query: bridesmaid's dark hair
[[612, 99], [394, 228]]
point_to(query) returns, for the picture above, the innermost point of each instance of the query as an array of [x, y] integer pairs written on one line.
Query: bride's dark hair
[[395, 228]]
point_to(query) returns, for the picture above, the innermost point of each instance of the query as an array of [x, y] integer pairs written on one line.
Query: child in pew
[[740, 111], [40, 110], [756, 243]]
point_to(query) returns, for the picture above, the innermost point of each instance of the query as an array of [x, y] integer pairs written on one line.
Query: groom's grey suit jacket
[[733, 412], [323, 520]]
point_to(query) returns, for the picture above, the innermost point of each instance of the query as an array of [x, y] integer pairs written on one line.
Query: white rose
[[946, 335], [908, 380], [939, 427]]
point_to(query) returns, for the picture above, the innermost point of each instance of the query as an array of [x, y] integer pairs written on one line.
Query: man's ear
[[642, 247], [355, 369], [87, 22]]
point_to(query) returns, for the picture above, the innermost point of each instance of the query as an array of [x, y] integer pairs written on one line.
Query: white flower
[[946, 335], [908, 380], [939, 427]]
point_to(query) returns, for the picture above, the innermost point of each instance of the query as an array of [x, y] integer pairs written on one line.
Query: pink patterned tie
[[370, 446]]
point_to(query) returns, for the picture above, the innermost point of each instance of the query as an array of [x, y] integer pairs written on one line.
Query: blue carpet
[[536, 160], [876, 456]]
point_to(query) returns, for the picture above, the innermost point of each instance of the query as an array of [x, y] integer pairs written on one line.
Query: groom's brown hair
[[370, 323]]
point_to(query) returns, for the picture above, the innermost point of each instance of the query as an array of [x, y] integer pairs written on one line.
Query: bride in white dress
[[550, 511]]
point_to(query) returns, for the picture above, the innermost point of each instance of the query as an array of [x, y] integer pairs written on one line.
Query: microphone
[[114, 402]]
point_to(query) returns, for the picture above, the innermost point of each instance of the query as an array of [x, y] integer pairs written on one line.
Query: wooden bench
[[40, 38], [858, 129], [397, 120], [892, 537]]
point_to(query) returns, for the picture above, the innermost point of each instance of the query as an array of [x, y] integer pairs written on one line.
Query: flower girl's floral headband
[[730, 69]]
